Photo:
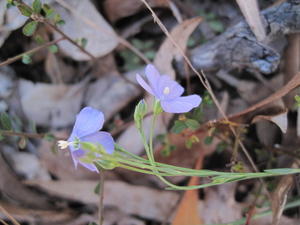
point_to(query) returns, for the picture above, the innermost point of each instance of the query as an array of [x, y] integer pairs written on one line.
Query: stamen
[[63, 144], [166, 90]]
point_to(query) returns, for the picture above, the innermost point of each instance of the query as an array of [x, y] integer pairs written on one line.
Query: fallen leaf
[[118, 9], [291, 66], [245, 114], [279, 197], [279, 119], [219, 205], [142, 201], [38, 216], [49, 104], [14, 190], [187, 210], [251, 12], [167, 51], [98, 44], [115, 93]]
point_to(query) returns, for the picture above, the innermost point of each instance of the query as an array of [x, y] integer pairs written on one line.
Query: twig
[[15, 222], [2, 221], [97, 27], [25, 135], [49, 24], [15, 58], [101, 196]]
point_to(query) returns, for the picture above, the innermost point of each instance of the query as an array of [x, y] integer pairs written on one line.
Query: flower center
[[166, 90], [63, 144]]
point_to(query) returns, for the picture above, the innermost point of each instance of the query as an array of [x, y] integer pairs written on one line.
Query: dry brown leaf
[[117, 9], [115, 93], [98, 44], [250, 11], [136, 200], [13, 189], [279, 197], [292, 66], [49, 104], [280, 119], [244, 115], [187, 210], [38, 216], [219, 205], [167, 51]]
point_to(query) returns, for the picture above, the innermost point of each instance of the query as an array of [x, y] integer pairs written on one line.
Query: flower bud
[[139, 113]]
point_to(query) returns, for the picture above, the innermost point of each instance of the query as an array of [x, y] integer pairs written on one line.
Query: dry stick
[[46, 22], [15, 222], [101, 196], [204, 82], [2, 221], [27, 135], [15, 58], [97, 27]]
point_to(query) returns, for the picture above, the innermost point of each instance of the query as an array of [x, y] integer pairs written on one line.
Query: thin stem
[[20, 134], [49, 24], [16, 58], [13, 220], [101, 196]]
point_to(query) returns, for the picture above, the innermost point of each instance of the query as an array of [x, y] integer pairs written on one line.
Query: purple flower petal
[[153, 76], [76, 155], [143, 83], [103, 138], [169, 89], [88, 121], [89, 166], [181, 104]]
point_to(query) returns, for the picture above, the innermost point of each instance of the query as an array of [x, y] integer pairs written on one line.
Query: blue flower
[[86, 129], [167, 91]]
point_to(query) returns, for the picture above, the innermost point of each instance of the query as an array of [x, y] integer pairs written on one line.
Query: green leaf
[[84, 42], [58, 20], [139, 113], [39, 39], [37, 6], [5, 121], [297, 99], [192, 124], [8, 5], [30, 28], [49, 137], [25, 10], [97, 188], [216, 25], [282, 171], [208, 140], [178, 126], [1, 137], [26, 59], [49, 11], [53, 48], [22, 143], [93, 223]]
